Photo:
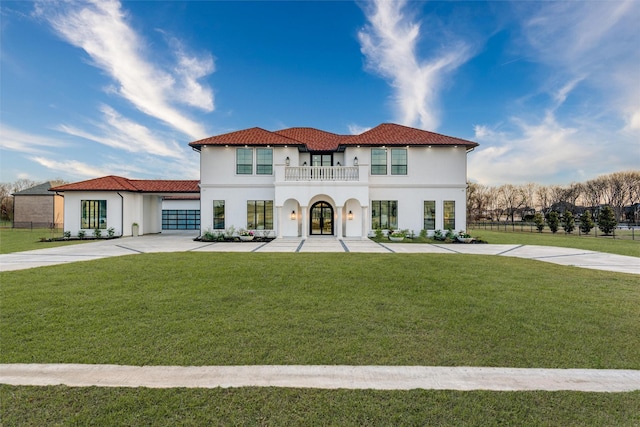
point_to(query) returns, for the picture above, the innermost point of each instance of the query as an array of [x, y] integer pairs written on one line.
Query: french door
[[321, 219]]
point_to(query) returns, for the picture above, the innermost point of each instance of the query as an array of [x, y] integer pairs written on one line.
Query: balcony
[[321, 173]]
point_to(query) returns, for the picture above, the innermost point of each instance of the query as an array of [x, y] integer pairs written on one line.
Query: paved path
[[183, 242], [325, 377]]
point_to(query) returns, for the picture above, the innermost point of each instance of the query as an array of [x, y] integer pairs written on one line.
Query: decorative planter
[[396, 239], [134, 230], [246, 238], [464, 239]]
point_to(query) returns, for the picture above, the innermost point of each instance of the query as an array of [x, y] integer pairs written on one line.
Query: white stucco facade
[[435, 174]]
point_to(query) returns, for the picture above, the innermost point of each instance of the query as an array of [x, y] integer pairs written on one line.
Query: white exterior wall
[[181, 204], [433, 173], [73, 210]]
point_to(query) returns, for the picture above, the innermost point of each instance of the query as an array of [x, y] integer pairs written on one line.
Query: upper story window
[[321, 160], [398, 161], [378, 161], [244, 161], [264, 161]]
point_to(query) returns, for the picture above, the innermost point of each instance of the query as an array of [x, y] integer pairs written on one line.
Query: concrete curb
[[323, 377]]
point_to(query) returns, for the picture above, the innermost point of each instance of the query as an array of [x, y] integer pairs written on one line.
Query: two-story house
[[301, 182]]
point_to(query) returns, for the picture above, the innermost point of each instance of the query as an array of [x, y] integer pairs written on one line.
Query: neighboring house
[[119, 203], [37, 207], [302, 181]]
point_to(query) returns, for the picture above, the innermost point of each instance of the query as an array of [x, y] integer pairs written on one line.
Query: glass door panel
[[321, 219]]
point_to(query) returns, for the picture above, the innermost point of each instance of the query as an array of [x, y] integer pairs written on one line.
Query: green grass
[[24, 239], [354, 309], [592, 243], [384, 309], [38, 406]]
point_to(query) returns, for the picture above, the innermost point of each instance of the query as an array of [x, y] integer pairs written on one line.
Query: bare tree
[[512, 199]]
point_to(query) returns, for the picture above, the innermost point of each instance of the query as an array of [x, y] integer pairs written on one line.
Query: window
[[429, 215], [449, 215], [244, 161], [384, 214], [378, 161], [218, 214], [321, 160], [399, 161], [260, 214], [264, 161], [94, 214]]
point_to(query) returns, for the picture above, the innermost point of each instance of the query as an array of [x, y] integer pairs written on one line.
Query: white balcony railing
[[321, 173]]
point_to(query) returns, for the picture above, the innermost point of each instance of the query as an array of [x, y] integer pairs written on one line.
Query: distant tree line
[[509, 202], [8, 188]]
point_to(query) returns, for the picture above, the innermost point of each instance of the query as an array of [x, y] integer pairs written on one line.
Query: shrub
[[538, 220], [553, 221], [423, 233], [66, 234], [607, 220], [569, 222], [97, 233], [378, 233], [81, 234], [209, 236], [586, 222], [111, 232]]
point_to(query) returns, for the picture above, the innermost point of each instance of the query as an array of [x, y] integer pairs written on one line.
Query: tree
[[586, 222], [607, 220], [569, 222], [538, 220], [553, 221]]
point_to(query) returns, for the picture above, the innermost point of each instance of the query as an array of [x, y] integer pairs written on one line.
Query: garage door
[[180, 219]]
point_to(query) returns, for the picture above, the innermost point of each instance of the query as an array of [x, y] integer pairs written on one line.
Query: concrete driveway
[[183, 242]]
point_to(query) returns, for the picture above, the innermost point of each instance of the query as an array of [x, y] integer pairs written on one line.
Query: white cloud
[[548, 152], [17, 140], [357, 129], [591, 43], [389, 43], [123, 134], [101, 28], [72, 167]]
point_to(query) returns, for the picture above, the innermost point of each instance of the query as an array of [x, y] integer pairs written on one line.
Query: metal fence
[[33, 225], [622, 231]]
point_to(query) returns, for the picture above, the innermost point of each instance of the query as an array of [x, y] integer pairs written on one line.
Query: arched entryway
[[321, 219]]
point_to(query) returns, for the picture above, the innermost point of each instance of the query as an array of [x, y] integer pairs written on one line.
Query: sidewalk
[[183, 242], [323, 377]]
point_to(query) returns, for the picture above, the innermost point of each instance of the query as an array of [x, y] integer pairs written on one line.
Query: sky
[[549, 89]]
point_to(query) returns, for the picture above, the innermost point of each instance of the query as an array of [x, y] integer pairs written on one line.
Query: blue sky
[[551, 90]]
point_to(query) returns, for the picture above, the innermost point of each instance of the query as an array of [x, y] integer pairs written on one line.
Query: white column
[[365, 222], [279, 221], [303, 213], [339, 227]]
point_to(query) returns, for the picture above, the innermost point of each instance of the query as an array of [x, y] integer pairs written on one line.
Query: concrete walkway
[[324, 377], [183, 242]]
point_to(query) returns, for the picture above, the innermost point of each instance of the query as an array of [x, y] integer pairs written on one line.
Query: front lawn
[[381, 309], [354, 309], [24, 239]]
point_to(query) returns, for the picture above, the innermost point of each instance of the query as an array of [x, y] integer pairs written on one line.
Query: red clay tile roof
[[314, 139], [319, 140], [118, 183], [393, 134], [252, 136]]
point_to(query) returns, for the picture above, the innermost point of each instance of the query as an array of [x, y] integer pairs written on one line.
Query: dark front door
[[321, 219]]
